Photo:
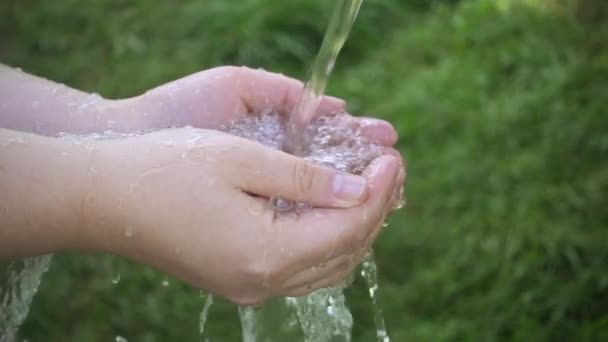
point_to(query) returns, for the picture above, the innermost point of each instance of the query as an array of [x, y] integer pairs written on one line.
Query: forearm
[[41, 182], [32, 104]]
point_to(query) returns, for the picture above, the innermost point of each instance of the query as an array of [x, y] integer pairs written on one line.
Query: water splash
[[19, 283]]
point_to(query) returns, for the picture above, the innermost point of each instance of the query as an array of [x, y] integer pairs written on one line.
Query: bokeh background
[[501, 107]]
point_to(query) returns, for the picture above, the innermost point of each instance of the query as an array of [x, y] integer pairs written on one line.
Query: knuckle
[[303, 177]]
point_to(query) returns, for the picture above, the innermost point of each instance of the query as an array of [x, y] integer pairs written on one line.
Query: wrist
[[41, 184], [126, 115]]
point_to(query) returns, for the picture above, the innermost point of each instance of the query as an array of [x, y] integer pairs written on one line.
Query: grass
[[501, 109]]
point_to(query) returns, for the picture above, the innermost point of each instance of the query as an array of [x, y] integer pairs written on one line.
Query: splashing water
[[19, 283]]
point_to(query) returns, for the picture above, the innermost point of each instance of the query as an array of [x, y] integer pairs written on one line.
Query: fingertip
[[378, 131], [382, 171], [330, 104]]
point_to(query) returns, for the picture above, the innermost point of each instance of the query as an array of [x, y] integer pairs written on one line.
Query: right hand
[[194, 203]]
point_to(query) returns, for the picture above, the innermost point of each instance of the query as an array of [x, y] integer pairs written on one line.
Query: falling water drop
[[116, 279], [401, 201], [129, 232], [208, 300], [369, 272], [120, 339], [248, 323]]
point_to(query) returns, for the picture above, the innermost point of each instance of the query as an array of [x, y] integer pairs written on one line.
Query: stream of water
[[19, 282], [341, 22]]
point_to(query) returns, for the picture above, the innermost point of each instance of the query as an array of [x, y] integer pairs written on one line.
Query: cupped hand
[[214, 97], [193, 203]]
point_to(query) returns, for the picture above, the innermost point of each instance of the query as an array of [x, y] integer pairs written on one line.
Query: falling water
[[369, 272], [208, 301], [339, 27], [19, 283]]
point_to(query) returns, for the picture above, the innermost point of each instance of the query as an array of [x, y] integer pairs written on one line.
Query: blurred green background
[[501, 107]]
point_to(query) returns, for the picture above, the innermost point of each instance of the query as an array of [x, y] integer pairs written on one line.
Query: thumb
[[267, 172]]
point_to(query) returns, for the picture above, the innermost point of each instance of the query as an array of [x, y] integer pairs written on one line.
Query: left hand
[[214, 97]]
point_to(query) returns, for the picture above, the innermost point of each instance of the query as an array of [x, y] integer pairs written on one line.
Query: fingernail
[[349, 189]]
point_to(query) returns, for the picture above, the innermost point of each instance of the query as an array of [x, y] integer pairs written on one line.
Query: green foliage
[[500, 106]]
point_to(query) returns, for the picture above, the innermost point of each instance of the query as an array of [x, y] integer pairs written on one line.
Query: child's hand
[[193, 203]]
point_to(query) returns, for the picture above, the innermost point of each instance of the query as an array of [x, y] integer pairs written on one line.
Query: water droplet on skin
[[129, 232], [116, 279], [12, 141], [401, 202], [257, 208], [281, 205]]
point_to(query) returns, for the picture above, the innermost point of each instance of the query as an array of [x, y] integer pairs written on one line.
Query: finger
[[323, 234], [378, 131], [260, 89], [311, 275], [263, 171]]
